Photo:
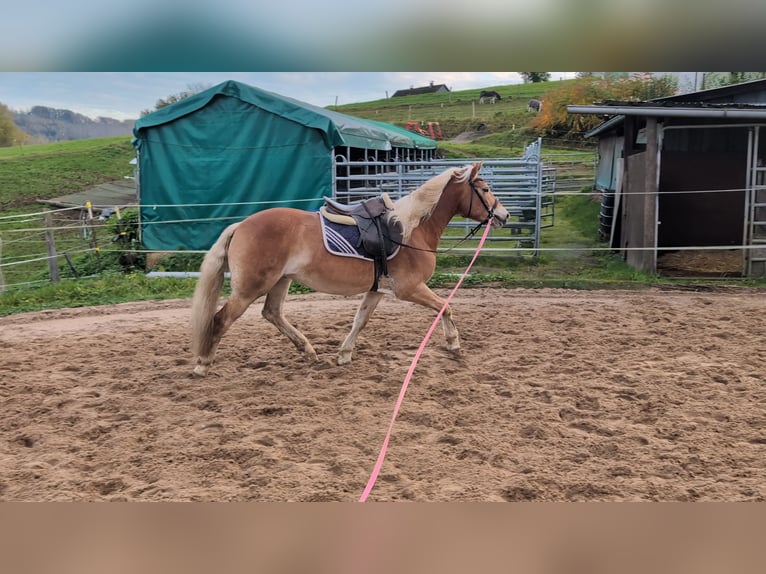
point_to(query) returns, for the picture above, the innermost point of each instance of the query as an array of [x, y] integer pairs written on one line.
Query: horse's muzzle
[[499, 217]]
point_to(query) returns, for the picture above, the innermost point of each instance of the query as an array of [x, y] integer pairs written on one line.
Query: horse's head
[[480, 203]]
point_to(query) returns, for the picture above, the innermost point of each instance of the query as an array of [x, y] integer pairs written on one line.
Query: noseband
[[479, 193]]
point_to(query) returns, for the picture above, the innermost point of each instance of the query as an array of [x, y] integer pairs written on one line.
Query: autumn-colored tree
[[10, 134], [553, 120]]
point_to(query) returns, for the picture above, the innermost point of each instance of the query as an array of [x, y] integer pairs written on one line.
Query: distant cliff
[[45, 124]]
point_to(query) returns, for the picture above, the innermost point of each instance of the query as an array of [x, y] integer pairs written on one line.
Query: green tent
[[229, 151]]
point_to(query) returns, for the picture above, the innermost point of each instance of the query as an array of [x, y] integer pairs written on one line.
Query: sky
[[47, 45], [78, 35], [123, 95]]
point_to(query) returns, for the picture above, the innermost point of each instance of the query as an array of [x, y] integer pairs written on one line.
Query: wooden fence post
[[92, 228], [649, 257], [50, 245]]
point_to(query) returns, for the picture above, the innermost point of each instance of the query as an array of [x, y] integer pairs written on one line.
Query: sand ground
[[558, 396]]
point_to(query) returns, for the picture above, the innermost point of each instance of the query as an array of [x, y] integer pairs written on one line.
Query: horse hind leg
[[366, 307], [272, 312], [223, 319]]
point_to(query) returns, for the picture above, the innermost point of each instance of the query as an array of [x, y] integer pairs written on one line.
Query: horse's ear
[[476, 169]]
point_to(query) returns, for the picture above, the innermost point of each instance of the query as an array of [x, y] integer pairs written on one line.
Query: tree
[[10, 134], [535, 77], [554, 120], [720, 79], [173, 98]]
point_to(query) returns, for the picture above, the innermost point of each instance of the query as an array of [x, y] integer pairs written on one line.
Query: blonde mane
[[411, 209]]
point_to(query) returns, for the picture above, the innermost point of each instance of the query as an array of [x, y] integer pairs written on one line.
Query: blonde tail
[[205, 301]]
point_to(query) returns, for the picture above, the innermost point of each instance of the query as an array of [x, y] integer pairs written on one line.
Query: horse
[[534, 106], [269, 249], [489, 96]]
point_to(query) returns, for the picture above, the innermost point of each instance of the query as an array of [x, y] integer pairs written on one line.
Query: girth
[[378, 234]]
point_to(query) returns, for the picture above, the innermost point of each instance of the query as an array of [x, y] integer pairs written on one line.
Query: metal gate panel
[[524, 186]]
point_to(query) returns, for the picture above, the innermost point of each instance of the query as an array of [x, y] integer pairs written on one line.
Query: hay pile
[[701, 263]]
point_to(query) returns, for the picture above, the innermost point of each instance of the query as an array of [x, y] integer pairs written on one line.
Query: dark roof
[[118, 193], [430, 89], [723, 98], [663, 103]]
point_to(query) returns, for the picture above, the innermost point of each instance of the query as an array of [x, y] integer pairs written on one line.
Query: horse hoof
[[343, 359], [200, 370]]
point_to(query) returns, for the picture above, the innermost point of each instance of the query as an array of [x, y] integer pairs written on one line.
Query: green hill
[[504, 124], [43, 171], [456, 111]]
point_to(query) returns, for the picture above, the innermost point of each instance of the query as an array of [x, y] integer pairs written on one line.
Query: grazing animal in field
[[534, 106], [489, 96], [266, 251]]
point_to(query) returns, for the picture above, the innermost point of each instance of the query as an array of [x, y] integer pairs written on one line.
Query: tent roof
[[339, 129]]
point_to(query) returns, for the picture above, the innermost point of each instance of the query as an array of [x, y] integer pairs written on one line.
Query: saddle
[[378, 234]]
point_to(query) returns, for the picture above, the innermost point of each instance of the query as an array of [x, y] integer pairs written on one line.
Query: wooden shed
[[685, 173]]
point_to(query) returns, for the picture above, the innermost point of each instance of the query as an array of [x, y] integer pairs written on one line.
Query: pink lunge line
[[382, 455]]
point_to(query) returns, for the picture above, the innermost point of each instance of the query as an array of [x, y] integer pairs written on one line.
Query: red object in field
[[432, 129], [415, 127]]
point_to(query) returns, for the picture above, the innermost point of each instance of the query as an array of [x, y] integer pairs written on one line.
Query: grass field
[[29, 174], [42, 171], [504, 122]]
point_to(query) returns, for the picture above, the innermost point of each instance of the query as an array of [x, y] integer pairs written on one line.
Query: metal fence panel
[[524, 186]]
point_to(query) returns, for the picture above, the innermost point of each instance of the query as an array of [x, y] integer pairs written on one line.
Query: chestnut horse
[[271, 248]]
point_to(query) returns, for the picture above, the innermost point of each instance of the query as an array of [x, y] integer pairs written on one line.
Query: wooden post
[[629, 135], [650, 198], [92, 228], [50, 246]]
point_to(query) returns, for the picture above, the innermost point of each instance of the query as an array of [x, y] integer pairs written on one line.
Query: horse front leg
[[272, 312], [366, 307], [422, 295]]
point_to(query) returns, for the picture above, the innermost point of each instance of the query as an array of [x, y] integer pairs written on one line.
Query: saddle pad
[[343, 239]]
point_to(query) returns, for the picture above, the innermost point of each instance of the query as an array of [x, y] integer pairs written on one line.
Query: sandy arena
[[558, 396]]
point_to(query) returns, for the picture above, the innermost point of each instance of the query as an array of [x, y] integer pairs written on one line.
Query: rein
[[472, 232], [382, 454]]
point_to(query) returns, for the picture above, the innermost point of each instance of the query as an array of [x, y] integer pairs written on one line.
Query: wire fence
[[47, 246], [42, 247]]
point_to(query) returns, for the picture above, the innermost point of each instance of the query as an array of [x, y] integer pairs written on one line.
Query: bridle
[[490, 214], [490, 210]]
